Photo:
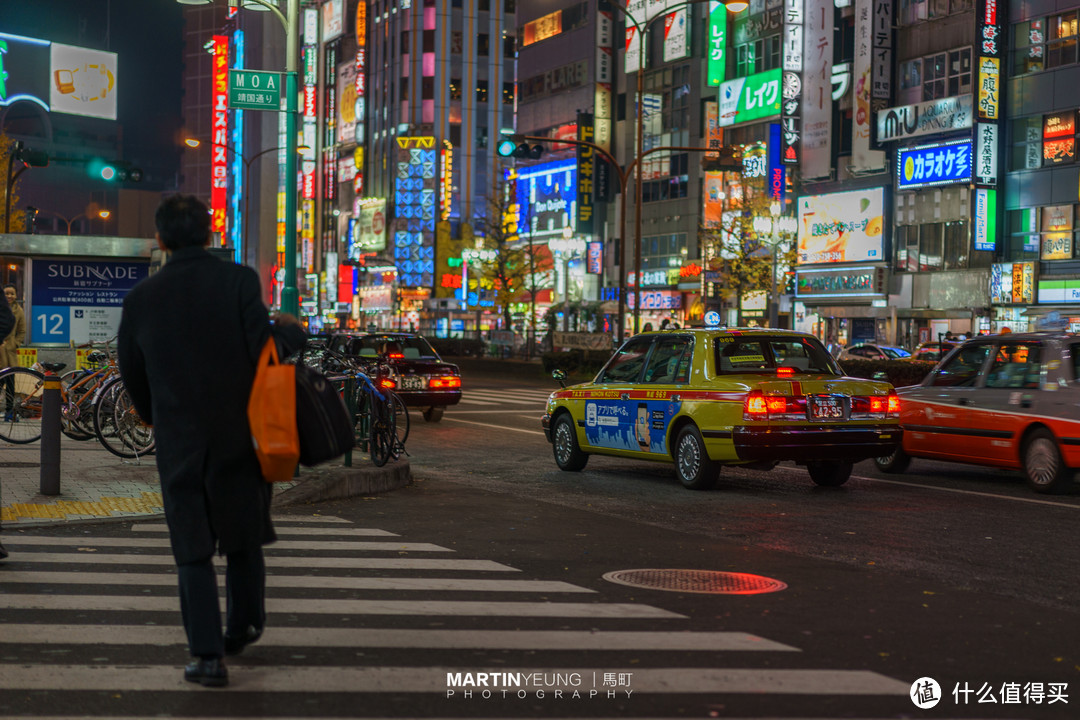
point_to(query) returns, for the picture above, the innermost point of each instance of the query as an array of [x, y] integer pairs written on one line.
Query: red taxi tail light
[[755, 407], [387, 383], [784, 371], [894, 404], [445, 382], [877, 404], [776, 404], [395, 356]]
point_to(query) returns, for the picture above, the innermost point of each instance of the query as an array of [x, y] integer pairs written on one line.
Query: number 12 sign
[[79, 300]]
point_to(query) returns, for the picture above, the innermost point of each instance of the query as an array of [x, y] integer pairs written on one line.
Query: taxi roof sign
[[712, 318]]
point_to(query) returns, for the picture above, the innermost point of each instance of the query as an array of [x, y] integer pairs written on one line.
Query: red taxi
[[1007, 401]]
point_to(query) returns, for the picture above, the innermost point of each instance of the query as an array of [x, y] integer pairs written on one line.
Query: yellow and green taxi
[[707, 397]]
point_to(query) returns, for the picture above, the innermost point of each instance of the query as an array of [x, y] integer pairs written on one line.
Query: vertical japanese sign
[[415, 208], [586, 164], [862, 157], [636, 9], [594, 258], [986, 154], [713, 196], [989, 37], [881, 65], [676, 36], [717, 44], [605, 62], [985, 219], [219, 171], [990, 19], [817, 90], [791, 106]]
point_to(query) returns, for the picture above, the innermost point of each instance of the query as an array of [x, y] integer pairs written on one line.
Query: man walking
[[190, 337], [7, 323]]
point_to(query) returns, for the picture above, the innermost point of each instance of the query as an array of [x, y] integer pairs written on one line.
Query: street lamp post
[[777, 227], [642, 28], [290, 20]]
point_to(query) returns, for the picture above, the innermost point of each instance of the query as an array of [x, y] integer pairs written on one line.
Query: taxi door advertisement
[[634, 424]]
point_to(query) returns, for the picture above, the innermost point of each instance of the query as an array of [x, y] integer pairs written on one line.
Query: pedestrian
[[190, 338], [9, 347], [7, 325]]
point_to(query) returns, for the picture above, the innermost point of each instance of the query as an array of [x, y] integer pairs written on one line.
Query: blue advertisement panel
[[639, 425], [79, 300], [937, 164], [547, 198]]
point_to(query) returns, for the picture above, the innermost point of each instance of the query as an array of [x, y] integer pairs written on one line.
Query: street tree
[[743, 256], [509, 262], [18, 217]]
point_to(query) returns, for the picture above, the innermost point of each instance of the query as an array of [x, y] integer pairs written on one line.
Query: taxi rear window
[[740, 355]]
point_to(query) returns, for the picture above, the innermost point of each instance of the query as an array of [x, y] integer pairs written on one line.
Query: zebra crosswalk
[[363, 622], [491, 398]]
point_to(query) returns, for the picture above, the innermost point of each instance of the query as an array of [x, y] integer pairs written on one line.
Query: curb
[[336, 482]]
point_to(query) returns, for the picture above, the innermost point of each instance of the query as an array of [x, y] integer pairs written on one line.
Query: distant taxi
[[707, 397], [1007, 401]]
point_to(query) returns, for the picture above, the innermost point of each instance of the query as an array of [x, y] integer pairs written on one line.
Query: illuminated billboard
[[842, 227], [59, 78], [547, 197], [937, 164], [415, 207]]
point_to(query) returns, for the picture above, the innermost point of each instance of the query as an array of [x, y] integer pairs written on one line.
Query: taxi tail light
[[445, 382], [893, 404], [775, 407], [395, 356], [785, 371], [387, 383], [875, 407]]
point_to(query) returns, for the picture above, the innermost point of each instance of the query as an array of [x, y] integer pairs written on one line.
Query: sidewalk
[[96, 485]]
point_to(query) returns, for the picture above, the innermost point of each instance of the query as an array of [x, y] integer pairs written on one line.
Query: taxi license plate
[[413, 382], [827, 408]]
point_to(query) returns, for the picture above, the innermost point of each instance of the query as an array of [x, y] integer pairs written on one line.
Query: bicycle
[[118, 426], [381, 419]]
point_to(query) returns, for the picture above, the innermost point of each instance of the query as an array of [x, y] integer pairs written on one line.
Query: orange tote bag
[[272, 416]]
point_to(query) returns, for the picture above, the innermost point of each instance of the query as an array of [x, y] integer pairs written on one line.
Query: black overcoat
[[189, 340]]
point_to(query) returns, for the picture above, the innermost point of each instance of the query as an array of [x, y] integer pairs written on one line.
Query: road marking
[[476, 402], [285, 530], [311, 519], [302, 606], [497, 427], [272, 561], [324, 679], [23, 540], [304, 581], [166, 635], [961, 491]]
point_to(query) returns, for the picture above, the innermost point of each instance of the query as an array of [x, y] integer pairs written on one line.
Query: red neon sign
[[220, 133]]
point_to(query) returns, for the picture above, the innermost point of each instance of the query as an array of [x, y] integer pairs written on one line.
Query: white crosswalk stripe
[[106, 603], [508, 397]]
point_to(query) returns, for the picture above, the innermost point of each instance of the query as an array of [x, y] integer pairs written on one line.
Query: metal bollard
[[350, 404], [50, 435]]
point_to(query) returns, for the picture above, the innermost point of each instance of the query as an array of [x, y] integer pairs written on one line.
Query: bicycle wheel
[[21, 392], [77, 404], [118, 426], [381, 437], [401, 418], [362, 419]]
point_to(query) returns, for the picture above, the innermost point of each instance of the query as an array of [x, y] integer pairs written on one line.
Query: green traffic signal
[[515, 146], [506, 147]]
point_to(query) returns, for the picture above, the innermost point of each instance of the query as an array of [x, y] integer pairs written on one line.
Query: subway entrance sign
[[254, 90]]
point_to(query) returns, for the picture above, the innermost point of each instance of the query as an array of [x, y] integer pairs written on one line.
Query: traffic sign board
[[254, 90]]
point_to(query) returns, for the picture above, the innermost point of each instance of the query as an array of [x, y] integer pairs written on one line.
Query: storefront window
[[1043, 140], [930, 246], [1045, 43], [1056, 239]]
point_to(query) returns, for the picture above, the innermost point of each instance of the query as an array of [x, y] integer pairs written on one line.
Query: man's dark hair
[[183, 221]]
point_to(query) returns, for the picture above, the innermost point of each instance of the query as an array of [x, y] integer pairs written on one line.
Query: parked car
[[420, 376], [870, 351], [1006, 401], [703, 398], [933, 350]]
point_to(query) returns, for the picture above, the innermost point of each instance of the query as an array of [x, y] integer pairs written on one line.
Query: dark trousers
[[245, 594]]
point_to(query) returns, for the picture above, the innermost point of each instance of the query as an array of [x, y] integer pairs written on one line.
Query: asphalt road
[[495, 561]]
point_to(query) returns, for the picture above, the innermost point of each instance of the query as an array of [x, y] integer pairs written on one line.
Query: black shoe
[[3, 552], [208, 672], [235, 645]]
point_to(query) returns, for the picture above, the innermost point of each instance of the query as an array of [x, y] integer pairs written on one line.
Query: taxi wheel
[[829, 473], [568, 455], [695, 469], [432, 414], [1043, 466], [896, 462]]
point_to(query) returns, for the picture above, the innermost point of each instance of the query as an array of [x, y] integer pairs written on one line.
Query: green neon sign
[[717, 45]]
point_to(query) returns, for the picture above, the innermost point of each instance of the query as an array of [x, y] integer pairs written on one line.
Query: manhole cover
[[697, 581]]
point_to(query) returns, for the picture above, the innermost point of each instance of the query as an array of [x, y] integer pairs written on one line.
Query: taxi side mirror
[[560, 376]]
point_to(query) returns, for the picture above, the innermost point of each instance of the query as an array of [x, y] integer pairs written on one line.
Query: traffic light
[[114, 171], [32, 158], [515, 146]]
